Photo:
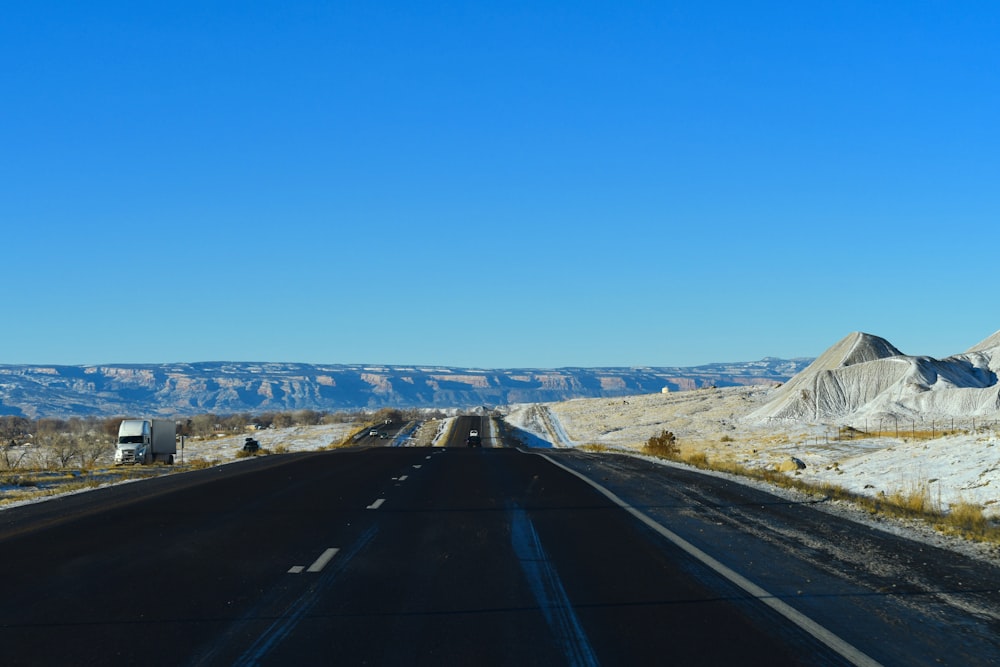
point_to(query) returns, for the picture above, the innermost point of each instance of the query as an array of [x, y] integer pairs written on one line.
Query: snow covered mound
[[864, 376]]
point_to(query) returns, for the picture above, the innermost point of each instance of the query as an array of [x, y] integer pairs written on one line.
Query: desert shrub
[[967, 519], [664, 445]]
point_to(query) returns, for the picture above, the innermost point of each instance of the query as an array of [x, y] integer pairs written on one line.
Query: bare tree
[[307, 417], [203, 425], [92, 450], [282, 420], [388, 414], [236, 423], [12, 456], [56, 448], [13, 429]]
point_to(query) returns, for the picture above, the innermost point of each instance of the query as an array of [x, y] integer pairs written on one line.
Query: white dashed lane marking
[[321, 562], [317, 565], [375, 505]]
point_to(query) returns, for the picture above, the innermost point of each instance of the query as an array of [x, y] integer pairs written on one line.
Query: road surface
[[433, 556]]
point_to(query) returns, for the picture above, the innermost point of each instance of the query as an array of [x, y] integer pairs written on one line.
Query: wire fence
[[894, 427]]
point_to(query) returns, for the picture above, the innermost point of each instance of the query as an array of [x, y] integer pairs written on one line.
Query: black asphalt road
[[464, 425], [409, 556]]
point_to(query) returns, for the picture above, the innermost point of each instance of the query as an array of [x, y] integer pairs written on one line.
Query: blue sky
[[496, 184]]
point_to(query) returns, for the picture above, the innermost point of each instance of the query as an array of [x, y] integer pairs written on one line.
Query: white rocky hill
[[863, 377]]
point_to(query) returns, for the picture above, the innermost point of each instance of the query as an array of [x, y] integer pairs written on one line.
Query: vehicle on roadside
[[146, 441]]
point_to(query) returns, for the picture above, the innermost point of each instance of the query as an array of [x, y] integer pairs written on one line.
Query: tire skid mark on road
[[819, 632], [549, 592], [301, 606]]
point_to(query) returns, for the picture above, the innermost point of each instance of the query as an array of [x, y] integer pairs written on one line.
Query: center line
[[321, 562], [375, 505]]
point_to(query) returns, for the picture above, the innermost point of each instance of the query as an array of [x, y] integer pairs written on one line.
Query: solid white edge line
[[321, 562], [375, 505], [840, 646], [296, 569]]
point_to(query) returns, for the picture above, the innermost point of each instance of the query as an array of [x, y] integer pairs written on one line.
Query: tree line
[[88, 441]]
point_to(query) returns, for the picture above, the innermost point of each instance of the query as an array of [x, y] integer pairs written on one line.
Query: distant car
[[473, 433], [384, 436], [373, 433], [474, 440], [251, 446]]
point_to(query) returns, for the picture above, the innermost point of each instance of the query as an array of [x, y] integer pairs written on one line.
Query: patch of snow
[[291, 439], [960, 467]]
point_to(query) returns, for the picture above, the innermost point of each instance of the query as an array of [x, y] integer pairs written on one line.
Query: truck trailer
[[146, 441]]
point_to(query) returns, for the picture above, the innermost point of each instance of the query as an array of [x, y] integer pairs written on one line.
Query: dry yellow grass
[[967, 519], [912, 502], [915, 499]]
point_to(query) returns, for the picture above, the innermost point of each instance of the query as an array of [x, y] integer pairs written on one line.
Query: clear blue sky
[[496, 184]]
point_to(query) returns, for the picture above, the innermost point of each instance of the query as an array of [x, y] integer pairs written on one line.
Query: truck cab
[[134, 441]]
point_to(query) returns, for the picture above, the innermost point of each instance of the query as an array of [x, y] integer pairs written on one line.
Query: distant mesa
[[178, 389], [860, 377]]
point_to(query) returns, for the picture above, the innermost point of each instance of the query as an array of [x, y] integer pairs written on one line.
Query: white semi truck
[[146, 441]]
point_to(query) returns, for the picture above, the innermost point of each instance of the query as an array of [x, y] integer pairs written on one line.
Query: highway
[[452, 555]]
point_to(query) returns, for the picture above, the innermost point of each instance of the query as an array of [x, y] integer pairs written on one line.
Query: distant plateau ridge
[[861, 377], [235, 387]]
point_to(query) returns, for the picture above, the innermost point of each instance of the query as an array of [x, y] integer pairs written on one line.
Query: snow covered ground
[[292, 439], [956, 468]]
